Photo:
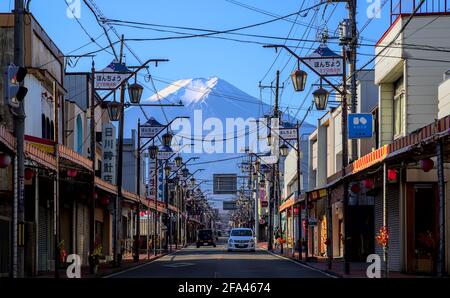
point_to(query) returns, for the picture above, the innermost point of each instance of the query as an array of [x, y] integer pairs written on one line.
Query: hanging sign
[[288, 133], [325, 62], [150, 131], [164, 155], [112, 76], [269, 160]]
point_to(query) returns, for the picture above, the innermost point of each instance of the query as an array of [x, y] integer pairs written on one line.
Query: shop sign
[[370, 159], [109, 153], [360, 126]]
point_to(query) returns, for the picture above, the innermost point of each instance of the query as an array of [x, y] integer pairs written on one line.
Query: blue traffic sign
[[360, 126]]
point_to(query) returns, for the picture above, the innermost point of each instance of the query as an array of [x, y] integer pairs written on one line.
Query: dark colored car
[[205, 238]]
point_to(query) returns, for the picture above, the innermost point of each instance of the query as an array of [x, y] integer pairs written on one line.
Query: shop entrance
[[361, 222], [422, 227]]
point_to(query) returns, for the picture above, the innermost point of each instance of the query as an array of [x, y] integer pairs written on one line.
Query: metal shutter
[[82, 233], [393, 223], [43, 252]]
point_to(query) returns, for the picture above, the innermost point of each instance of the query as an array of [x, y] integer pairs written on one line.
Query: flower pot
[[425, 265]]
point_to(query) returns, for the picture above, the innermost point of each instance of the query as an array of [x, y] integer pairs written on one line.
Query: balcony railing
[[430, 7]]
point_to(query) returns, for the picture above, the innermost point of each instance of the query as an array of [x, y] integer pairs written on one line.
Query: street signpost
[[360, 126]]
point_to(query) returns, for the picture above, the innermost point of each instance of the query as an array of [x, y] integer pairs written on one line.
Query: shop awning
[[103, 185], [69, 154], [287, 203], [7, 138], [317, 194]]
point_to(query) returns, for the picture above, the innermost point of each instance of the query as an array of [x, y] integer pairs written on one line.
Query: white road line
[[139, 266], [300, 264]]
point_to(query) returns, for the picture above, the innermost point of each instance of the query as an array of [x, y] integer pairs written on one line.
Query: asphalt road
[[209, 262]]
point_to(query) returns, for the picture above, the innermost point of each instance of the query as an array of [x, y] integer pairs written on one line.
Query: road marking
[[176, 265], [140, 266], [300, 264]]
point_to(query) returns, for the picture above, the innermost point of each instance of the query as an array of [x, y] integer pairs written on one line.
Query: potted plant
[[94, 258], [62, 253], [425, 250]]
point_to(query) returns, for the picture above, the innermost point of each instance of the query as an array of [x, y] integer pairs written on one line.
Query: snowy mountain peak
[[197, 91]]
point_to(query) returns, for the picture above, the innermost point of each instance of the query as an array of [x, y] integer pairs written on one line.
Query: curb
[[328, 273]]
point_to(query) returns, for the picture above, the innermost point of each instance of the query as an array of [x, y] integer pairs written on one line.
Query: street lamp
[[321, 98], [262, 182], [135, 93], [284, 150], [185, 172], [178, 161], [167, 139], [114, 110], [269, 139], [193, 181], [299, 79], [167, 170], [257, 165], [153, 151]]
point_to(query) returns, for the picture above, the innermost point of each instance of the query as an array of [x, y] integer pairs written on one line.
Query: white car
[[241, 239]]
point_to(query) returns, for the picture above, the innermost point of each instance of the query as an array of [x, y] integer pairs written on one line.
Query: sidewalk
[[357, 269], [105, 269]]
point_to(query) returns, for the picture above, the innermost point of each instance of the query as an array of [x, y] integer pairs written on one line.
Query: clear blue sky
[[241, 64]]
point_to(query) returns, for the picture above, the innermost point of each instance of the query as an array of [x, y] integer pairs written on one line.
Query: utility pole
[[18, 253], [345, 162], [118, 210], [275, 172], [92, 156], [138, 191], [299, 172], [352, 68]]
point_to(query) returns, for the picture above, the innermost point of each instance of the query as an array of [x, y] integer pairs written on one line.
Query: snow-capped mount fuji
[[209, 103]]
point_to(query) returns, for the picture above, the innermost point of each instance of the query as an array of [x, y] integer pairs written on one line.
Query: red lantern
[[302, 205], [368, 183], [5, 160], [296, 211], [310, 205], [392, 175], [104, 200], [426, 164], [72, 173], [29, 174], [355, 188]]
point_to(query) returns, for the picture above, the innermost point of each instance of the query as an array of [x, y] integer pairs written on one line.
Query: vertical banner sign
[[109, 153], [151, 178]]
